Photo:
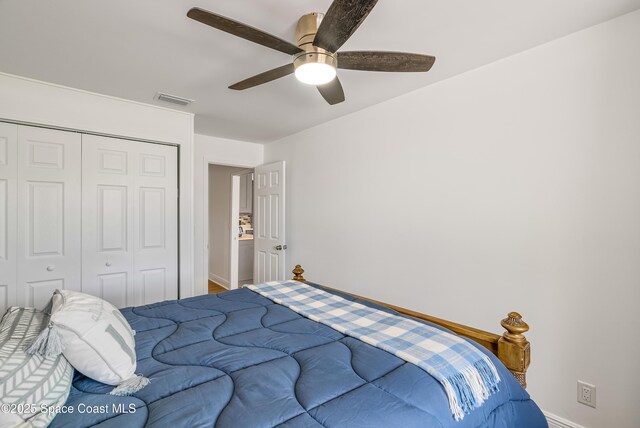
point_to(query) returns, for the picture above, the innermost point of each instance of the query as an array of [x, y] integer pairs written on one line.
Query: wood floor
[[215, 288]]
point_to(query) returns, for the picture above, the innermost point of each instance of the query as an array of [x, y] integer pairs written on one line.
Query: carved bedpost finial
[[513, 347], [297, 273], [515, 327]]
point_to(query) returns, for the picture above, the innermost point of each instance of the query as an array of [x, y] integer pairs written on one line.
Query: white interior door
[[49, 231], [8, 225], [130, 221], [269, 223]]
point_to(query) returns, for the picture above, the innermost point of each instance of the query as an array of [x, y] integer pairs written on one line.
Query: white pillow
[[29, 384], [95, 338]]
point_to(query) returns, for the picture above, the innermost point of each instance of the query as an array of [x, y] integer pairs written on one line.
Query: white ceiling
[[135, 48]]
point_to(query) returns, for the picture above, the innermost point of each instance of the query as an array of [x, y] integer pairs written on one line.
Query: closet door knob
[[108, 264], [51, 268]]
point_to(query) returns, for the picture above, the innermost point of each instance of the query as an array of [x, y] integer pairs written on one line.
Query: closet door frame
[[8, 213], [11, 293]]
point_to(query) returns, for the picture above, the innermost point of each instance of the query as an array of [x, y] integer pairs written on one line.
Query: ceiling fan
[[315, 54]]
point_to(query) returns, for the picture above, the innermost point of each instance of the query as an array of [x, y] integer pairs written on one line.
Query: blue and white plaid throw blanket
[[467, 375]]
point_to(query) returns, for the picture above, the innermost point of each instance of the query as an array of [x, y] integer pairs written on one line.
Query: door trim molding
[[234, 214], [84, 131], [200, 278]]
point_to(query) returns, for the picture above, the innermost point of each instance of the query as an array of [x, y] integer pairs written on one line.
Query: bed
[[237, 359]]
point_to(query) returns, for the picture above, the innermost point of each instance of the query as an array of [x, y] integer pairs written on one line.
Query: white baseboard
[[219, 280], [558, 422]]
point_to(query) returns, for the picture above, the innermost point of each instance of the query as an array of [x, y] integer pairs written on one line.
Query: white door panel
[[107, 220], [8, 225], [115, 288], [48, 241], [156, 237], [269, 223], [129, 221]]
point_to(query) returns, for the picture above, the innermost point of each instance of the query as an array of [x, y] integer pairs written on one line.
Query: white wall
[[512, 187], [34, 102], [212, 150]]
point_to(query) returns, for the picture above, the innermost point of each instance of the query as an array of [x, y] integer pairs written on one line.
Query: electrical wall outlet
[[587, 394]]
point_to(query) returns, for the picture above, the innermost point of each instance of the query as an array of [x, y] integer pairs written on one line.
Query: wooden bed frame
[[512, 348]]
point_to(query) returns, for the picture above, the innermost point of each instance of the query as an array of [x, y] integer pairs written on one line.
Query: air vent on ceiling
[[173, 99]]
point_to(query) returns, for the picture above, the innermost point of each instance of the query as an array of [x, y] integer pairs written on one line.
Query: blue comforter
[[236, 359]]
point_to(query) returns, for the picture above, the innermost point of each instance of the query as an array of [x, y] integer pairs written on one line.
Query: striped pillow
[[96, 339], [29, 383]]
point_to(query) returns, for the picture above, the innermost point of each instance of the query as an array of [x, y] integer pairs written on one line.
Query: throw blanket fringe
[[467, 375], [472, 386]]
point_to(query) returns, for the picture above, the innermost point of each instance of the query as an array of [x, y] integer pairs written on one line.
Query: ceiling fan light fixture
[[315, 73], [315, 68]]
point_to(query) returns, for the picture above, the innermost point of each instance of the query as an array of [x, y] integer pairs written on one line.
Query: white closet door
[[49, 230], [107, 219], [130, 235], [8, 225], [156, 223]]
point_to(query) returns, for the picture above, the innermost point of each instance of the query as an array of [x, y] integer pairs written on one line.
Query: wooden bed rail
[[512, 348]]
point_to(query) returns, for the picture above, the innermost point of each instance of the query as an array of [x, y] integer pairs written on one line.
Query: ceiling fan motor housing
[[305, 34]]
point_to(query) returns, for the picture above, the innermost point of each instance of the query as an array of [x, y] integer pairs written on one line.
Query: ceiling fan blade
[[332, 92], [241, 30], [384, 61], [341, 21], [265, 77]]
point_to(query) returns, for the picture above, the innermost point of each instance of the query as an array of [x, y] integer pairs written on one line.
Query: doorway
[[230, 227]]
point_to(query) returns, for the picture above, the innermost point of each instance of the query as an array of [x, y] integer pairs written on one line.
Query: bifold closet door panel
[[49, 220], [8, 212], [130, 220], [107, 219], [156, 223]]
